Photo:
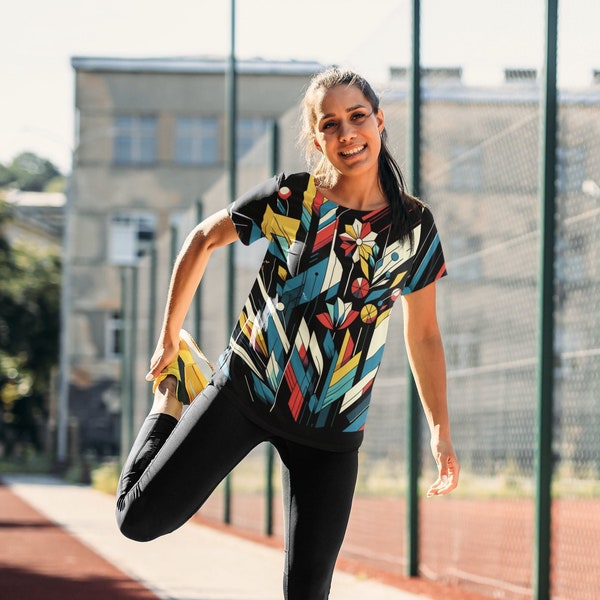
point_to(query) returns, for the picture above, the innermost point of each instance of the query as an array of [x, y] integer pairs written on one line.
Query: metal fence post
[[132, 350], [545, 406], [152, 311], [198, 295], [124, 383], [413, 421], [231, 99], [270, 457]]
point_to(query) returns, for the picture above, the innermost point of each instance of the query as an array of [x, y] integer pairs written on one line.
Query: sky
[[482, 36]]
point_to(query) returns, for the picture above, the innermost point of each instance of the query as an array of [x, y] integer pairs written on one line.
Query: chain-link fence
[[480, 165]]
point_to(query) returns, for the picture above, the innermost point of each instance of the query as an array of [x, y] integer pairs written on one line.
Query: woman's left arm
[[428, 364]]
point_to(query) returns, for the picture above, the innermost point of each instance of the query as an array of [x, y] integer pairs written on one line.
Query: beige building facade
[[150, 141], [132, 205]]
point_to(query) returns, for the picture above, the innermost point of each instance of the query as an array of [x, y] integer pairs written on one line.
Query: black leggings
[[167, 477]]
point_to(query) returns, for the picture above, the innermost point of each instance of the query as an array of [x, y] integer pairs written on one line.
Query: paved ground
[[61, 541]]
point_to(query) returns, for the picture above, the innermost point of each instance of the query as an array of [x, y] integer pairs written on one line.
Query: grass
[[28, 464], [382, 478]]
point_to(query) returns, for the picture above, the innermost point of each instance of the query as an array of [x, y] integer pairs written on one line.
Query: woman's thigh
[[211, 438]]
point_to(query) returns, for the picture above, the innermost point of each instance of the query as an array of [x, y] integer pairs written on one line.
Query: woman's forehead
[[340, 96]]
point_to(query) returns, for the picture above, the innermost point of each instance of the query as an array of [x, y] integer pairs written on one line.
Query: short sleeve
[[250, 210], [428, 264]]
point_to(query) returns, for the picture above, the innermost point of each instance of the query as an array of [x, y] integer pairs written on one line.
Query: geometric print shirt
[[305, 351]]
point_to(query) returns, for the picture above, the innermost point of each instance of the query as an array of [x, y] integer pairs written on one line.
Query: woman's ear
[[317, 145], [380, 120]]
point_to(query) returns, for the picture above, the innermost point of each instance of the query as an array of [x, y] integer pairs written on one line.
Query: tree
[[29, 337], [29, 172], [6, 176]]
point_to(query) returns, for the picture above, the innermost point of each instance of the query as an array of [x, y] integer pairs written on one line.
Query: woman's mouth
[[352, 151]]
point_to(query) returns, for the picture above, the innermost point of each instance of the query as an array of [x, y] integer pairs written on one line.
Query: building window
[[131, 235], [197, 141], [249, 131], [135, 140], [466, 165], [114, 335]]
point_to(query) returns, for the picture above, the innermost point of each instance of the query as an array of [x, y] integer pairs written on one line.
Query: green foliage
[[31, 173], [29, 338], [6, 176], [56, 185]]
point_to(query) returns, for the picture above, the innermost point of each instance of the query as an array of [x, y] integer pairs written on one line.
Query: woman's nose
[[346, 130]]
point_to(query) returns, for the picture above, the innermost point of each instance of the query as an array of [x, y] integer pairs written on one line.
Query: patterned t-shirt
[[304, 354]]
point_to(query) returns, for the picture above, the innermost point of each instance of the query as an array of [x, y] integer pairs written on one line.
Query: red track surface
[[40, 561], [462, 540], [477, 548]]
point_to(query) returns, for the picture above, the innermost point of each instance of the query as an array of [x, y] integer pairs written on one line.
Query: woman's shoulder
[[295, 180]]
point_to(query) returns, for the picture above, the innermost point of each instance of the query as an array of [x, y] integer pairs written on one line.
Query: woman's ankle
[[165, 398]]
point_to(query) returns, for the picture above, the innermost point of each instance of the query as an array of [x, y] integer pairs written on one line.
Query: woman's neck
[[356, 195]]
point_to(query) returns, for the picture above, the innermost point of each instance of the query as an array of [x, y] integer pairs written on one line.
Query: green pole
[[174, 246], [274, 157], [198, 295], [545, 407], [413, 422], [132, 353], [231, 97], [270, 495], [124, 365], [152, 312], [270, 492]]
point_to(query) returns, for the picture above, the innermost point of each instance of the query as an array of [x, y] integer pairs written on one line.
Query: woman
[[345, 243]]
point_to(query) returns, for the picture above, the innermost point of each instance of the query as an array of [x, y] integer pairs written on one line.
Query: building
[[37, 219], [150, 140], [145, 157]]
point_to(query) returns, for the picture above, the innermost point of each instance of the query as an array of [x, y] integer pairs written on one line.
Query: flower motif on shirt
[[339, 315], [359, 241]]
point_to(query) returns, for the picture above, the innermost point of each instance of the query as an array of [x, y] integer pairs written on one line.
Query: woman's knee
[[133, 523]]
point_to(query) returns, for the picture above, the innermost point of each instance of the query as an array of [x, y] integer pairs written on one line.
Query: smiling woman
[[344, 244]]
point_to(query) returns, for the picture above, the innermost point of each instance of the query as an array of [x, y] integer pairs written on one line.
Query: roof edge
[[192, 64]]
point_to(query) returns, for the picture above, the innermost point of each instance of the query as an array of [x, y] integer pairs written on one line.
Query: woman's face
[[347, 130]]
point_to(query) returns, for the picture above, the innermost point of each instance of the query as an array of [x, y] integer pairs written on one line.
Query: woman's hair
[[391, 179]]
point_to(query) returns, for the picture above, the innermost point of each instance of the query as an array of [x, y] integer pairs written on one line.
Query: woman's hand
[[165, 353], [448, 468]]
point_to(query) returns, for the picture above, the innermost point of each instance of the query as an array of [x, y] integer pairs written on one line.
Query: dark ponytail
[[393, 186]]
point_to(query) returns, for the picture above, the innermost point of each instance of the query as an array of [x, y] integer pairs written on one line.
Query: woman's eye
[[330, 126], [359, 116]]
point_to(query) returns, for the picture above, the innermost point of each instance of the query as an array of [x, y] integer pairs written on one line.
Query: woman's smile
[[353, 151]]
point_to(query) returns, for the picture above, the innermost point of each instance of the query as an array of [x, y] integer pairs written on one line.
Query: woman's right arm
[[212, 233]]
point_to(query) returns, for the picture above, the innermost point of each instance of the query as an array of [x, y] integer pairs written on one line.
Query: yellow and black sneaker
[[191, 368]]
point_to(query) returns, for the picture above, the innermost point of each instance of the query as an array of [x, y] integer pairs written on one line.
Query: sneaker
[[191, 368]]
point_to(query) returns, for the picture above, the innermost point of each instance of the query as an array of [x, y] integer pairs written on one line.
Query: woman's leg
[[318, 491], [174, 467]]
